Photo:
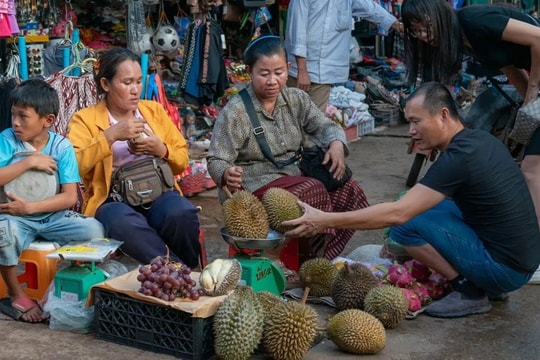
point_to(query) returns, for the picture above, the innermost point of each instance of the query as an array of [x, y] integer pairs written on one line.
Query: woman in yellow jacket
[[116, 131]]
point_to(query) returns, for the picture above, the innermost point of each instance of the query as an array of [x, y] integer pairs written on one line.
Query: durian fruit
[[268, 301], [245, 216], [281, 205], [357, 332], [238, 325], [220, 277], [387, 303], [290, 330], [318, 274], [351, 286]]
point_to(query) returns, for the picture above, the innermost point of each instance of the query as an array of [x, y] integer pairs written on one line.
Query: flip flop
[[16, 309]]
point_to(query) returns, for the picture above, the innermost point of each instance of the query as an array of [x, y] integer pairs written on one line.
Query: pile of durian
[[366, 306], [248, 217], [247, 321]]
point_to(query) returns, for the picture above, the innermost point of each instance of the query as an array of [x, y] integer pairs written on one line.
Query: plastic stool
[[293, 254], [39, 271]]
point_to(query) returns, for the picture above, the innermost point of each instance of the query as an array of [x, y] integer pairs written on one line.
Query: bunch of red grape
[[167, 280]]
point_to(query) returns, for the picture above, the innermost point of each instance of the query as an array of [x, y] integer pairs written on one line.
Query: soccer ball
[[165, 39]]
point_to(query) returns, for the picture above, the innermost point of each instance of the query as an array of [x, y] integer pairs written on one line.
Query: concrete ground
[[380, 162]]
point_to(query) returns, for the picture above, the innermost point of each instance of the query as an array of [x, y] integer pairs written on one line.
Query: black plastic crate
[[143, 325]]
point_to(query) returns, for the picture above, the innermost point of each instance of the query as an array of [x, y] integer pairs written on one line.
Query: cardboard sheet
[[128, 284]]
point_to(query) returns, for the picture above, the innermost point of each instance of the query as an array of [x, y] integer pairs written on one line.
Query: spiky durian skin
[[281, 205], [357, 332], [289, 331], [268, 301], [245, 216], [318, 274], [387, 303], [351, 286], [238, 325]]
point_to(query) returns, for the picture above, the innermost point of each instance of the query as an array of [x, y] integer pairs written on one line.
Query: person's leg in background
[[319, 93], [530, 167]]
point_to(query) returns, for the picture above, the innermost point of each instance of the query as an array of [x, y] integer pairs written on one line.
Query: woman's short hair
[[107, 65], [265, 45]]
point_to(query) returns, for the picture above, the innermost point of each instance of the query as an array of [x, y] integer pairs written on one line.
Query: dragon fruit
[[437, 285], [418, 270], [399, 276], [421, 291], [415, 303]]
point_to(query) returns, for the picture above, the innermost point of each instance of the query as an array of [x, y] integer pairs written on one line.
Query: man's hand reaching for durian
[[308, 225]]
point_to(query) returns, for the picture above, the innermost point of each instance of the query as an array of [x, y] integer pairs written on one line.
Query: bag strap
[[258, 131]]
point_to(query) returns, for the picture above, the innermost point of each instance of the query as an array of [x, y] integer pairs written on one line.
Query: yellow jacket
[[94, 154]]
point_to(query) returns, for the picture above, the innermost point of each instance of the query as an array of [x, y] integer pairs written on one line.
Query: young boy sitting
[[29, 146]]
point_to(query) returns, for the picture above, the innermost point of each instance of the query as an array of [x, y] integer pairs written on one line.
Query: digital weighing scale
[[259, 272]]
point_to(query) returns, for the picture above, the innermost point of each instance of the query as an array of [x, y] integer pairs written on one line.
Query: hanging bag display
[[527, 122], [142, 181], [156, 92]]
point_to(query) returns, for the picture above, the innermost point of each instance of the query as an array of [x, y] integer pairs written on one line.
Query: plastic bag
[[113, 268], [68, 315]]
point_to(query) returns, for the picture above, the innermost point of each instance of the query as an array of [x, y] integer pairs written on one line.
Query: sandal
[[18, 308]]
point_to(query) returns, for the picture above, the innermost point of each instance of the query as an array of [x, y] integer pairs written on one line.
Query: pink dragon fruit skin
[[399, 276], [415, 303], [437, 285], [421, 291], [418, 270]]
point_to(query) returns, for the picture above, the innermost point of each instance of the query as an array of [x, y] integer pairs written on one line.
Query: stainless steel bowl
[[272, 241]]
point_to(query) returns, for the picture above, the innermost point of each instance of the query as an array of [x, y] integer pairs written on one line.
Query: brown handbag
[[142, 181]]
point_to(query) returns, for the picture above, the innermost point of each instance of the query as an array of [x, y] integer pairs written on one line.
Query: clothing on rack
[[5, 107], [75, 93], [203, 76]]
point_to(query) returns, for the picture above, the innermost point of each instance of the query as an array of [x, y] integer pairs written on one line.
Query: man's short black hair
[[37, 94], [436, 97]]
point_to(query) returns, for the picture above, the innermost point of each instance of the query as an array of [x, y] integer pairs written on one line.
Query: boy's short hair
[[37, 94]]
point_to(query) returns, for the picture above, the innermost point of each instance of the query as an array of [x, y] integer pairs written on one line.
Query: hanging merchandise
[[11, 15], [138, 32], [203, 77], [68, 15], [155, 91], [165, 40], [74, 92], [8, 81], [181, 22], [5, 28], [60, 54]]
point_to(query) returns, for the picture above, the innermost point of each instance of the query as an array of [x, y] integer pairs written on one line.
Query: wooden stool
[[39, 271]]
